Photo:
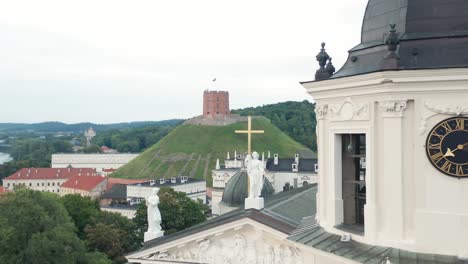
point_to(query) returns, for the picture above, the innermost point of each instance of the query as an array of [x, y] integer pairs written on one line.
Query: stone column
[[391, 182], [320, 113]]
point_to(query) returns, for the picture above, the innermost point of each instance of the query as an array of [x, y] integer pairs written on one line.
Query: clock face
[[447, 146]]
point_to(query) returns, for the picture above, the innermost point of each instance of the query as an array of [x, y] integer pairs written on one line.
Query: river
[[4, 157]]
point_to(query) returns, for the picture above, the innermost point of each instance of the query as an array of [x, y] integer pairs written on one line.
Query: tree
[[81, 209], [36, 229], [92, 149], [178, 212], [112, 234]]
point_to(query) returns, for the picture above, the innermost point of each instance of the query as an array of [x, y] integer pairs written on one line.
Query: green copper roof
[[236, 189], [318, 238]]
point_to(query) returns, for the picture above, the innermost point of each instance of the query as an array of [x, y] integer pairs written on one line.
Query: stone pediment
[[245, 242]]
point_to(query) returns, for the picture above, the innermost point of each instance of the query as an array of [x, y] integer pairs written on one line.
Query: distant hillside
[[297, 119], [192, 150], [53, 127]]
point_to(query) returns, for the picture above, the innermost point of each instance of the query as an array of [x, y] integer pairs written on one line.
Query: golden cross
[[249, 133]]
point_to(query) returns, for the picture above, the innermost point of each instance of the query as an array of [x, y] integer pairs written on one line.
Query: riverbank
[[4, 157]]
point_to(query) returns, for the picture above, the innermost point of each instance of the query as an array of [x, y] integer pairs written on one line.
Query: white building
[[194, 188], [44, 179], [100, 162], [392, 150]]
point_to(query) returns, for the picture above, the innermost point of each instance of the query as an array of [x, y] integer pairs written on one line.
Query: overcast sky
[[117, 61]]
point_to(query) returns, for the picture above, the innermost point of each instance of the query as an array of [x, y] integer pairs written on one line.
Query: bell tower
[[392, 130]]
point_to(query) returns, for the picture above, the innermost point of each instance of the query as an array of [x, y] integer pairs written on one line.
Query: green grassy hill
[[192, 150]]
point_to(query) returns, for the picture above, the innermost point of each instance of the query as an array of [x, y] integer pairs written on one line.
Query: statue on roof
[[255, 171], [154, 217]]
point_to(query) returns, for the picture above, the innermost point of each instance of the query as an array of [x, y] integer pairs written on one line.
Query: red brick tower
[[215, 104]]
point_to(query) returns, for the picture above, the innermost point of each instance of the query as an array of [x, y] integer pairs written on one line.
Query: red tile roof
[[112, 181], [85, 183], [49, 173], [2, 190]]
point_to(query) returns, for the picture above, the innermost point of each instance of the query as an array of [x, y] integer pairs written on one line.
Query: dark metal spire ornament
[[391, 61], [392, 40], [330, 68], [322, 73]]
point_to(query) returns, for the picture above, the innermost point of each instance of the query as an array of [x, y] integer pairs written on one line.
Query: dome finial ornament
[[391, 61], [322, 57], [392, 40], [330, 68]]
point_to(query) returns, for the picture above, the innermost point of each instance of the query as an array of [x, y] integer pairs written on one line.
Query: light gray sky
[[111, 61]]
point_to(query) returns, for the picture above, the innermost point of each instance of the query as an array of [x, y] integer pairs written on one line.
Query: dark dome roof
[[235, 191], [434, 34]]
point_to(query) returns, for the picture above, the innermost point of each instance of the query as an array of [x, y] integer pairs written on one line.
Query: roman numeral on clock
[[459, 170], [437, 135], [437, 157], [434, 146], [460, 124], [447, 166], [447, 127]]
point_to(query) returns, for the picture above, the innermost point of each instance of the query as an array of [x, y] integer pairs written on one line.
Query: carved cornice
[[349, 110], [321, 111], [440, 109], [393, 108], [446, 109]]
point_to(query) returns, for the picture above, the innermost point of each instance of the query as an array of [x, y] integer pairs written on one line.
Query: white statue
[[256, 172], [154, 217]]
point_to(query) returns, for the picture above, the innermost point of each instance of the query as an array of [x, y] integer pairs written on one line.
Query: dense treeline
[[33, 152], [52, 127], [132, 140], [38, 227], [297, 119]]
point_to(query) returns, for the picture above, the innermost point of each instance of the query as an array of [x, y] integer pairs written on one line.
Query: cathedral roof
[[281, 212], [292, 212], [433, 34], [235, 191], [316, 237]]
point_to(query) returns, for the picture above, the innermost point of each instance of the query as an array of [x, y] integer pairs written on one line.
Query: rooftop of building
[[50, 173], [290, 212], [285, 165], [236, 188], [168, 182], [111, 181], [117, 191], [431, 34], [84, 183]]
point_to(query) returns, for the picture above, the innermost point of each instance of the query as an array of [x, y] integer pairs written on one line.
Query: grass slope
[[192, 150]]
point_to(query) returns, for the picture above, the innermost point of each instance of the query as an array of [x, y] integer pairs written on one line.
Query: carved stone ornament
[[440, 109], [234, 249], [393, 108], [349, 110], [321, 111]]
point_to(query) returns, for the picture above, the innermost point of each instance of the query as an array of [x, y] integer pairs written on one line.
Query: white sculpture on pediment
[[251, 252], [255, 172], [154, 217], [268, 254], [239, 248], [233, 249], [203, 254]]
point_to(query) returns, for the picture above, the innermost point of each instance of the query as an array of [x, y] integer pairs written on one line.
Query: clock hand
[[449, 153]]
